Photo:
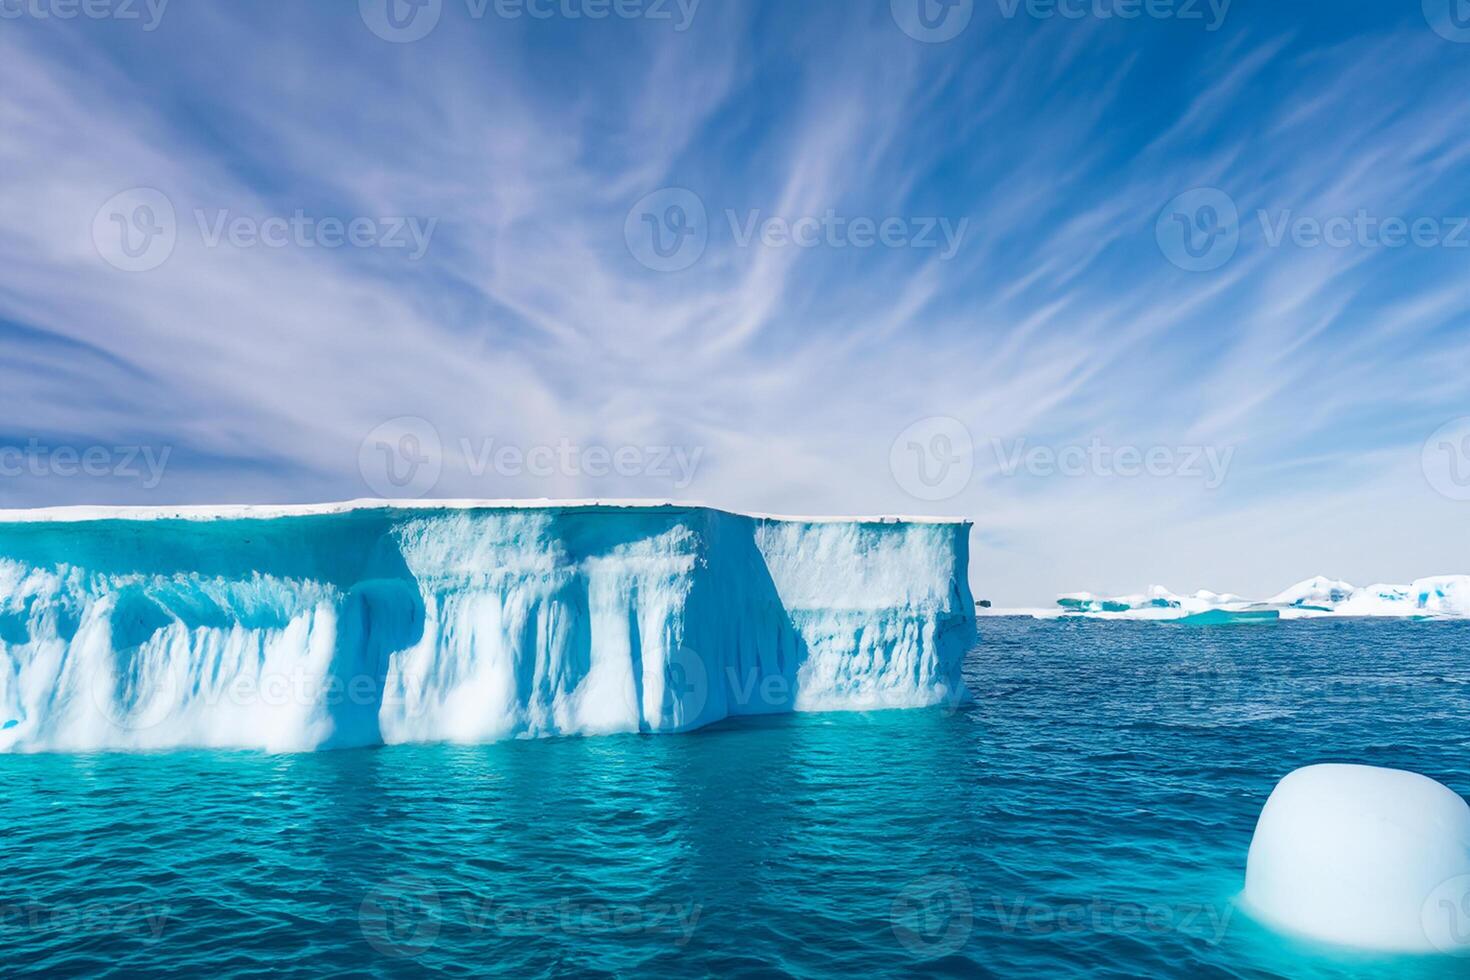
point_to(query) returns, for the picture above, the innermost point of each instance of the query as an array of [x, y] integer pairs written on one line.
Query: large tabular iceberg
[[358, 624]]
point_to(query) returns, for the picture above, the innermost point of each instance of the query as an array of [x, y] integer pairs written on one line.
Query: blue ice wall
[[467, 624]]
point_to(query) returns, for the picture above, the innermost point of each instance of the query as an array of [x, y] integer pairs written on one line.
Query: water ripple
[[1087, 815]]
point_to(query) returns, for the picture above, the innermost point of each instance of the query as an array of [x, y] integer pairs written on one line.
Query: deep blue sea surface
[[1087, 815]]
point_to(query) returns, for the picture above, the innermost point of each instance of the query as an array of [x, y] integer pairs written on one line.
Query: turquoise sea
[[1088, 814]]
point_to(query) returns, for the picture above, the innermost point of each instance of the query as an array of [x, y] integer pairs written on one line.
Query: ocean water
[[1088, 814]]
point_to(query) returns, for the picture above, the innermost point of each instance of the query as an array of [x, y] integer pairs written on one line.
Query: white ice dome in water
[[1366, 857]]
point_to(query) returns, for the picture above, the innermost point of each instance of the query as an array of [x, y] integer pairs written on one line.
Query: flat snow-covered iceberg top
[[375, 622], [1441, 597]]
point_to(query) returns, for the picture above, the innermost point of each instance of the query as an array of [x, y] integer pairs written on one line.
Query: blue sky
[[1168, 292]]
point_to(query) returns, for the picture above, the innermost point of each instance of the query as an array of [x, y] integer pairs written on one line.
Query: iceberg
[[1440, 597], [1320, 593], [370, 622], [1366, 857], [1159, 604]]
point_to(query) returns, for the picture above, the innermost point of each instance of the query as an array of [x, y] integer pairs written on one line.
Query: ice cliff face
[[384, 625]]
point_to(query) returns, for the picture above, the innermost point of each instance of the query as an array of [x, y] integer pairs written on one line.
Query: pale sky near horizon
[[1176, 298]]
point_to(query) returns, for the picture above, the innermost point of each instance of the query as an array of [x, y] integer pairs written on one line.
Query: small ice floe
[[1359, 856]]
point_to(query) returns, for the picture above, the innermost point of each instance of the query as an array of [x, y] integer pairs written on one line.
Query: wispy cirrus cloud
[[1057, 320]]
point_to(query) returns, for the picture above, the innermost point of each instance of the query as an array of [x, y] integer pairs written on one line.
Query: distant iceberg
[[359, 624], [1320, 593], [1440, 597]]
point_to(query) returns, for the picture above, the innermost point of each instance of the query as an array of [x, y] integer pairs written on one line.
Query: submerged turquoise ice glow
[[1088, 815]]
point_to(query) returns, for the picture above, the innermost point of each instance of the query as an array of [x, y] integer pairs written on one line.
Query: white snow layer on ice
[[296, 629]]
